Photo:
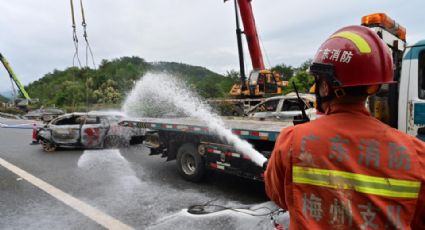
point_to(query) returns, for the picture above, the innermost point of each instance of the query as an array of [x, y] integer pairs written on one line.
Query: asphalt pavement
[[114, 188]]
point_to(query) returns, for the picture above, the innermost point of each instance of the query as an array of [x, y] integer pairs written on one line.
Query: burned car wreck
[[283, 107], [87, 130]]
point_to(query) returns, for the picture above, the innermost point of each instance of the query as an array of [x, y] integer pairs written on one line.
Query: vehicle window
[[260, 108], [67, 121], [291, 105], [271, 105], [53, 122], [254, 77], [421, 76], [92, 120], [270, 78], [268, 106]]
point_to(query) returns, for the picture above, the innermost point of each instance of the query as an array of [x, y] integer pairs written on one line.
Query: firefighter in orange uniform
[[347, 170]]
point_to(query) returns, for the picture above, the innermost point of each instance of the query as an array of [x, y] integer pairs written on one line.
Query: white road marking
[[96, 215]]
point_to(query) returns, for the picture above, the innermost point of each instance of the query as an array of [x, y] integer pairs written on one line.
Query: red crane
[[250, 31], [261, 82]]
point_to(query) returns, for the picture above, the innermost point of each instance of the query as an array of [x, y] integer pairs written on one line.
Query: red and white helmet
[[353, 56]]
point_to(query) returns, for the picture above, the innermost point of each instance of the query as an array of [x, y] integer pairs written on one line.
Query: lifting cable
[[88, 48], [265, 51], [75, 38]]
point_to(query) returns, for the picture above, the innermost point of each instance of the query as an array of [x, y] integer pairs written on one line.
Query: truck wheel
[[236, 113], [189, 163], [48, 146]]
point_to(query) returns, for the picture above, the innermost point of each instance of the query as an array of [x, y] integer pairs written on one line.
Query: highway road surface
[[115, 189]]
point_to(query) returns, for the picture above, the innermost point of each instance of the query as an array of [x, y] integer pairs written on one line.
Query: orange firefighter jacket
[[347, 170]]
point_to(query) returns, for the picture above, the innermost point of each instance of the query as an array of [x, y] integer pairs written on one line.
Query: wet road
[[126, 186]]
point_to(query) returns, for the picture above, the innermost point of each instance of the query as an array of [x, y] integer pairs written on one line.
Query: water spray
[[159, 93]]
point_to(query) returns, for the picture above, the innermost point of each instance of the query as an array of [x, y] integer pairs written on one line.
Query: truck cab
[[401, 105], [412, 91]]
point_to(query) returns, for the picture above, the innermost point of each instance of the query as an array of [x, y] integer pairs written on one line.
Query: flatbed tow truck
[[197, 148]]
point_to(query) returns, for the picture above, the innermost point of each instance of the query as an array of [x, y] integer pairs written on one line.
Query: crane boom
[[261, 82], [251, 34], [13, 77]]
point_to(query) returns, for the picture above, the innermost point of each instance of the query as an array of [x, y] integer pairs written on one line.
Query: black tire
[[236, 113], [114, 142], [48, 146], [135, 140], [190, 164]]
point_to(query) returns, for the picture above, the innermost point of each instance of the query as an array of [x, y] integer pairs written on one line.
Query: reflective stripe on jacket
[[348, 170]]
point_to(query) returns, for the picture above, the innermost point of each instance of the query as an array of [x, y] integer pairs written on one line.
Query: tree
[[71, 93], [305, 65], [107, 93], [302, 80], [233, 74], [286, 71], [209, 89]]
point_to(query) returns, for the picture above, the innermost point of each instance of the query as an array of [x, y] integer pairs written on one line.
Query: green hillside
[[113, 79], [75, 89]]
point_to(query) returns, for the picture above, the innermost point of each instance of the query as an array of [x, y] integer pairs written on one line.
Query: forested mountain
[[110, 83], [113, 79]]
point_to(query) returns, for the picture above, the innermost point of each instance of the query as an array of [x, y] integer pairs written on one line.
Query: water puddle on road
[[158, 94]]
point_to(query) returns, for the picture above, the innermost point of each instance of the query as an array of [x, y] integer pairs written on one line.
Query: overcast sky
[[36, 36]]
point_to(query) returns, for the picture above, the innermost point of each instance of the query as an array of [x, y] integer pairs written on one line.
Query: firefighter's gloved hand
[[265, 165]]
